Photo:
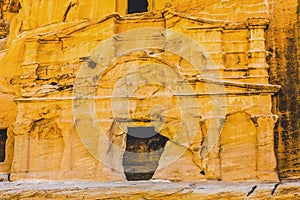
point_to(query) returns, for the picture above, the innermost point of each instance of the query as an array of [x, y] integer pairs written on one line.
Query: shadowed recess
[[144, 147], [3, 138], [137, 6]]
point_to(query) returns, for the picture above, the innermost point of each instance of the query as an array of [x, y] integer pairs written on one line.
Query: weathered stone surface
[[283, 45], [158, 189], [213, 104], [8, 12]]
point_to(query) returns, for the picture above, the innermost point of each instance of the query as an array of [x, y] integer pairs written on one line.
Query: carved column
[[21, 129], [266, 160], [258, 68]]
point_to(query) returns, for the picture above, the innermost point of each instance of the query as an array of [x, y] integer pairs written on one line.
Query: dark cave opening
[[137, 6], [144, 147]]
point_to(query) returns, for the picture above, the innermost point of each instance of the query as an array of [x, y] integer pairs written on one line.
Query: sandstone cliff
[[51, 31], [284, 47]]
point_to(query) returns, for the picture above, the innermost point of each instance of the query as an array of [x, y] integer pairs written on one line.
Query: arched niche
[[238, 148]]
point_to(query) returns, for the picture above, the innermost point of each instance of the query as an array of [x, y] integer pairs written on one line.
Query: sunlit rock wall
[[8, 11], [50, 40], [283, 45]]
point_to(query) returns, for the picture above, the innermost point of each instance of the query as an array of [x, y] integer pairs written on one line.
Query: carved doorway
[[144, 147]]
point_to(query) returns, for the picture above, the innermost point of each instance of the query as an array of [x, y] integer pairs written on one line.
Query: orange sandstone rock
[[195, 71]]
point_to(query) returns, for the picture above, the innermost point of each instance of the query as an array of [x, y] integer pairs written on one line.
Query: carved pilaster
[[266, 160], [257, 51]]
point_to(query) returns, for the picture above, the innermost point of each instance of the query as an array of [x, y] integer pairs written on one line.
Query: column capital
[[256, 118], [257, 22]]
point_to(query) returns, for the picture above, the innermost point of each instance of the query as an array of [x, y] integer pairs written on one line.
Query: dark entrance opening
[[3, 138], [137, 6], [144, 147]]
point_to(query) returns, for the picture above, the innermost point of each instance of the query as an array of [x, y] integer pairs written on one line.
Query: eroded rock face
[[283, 44], [8, 11], [213, 103]]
